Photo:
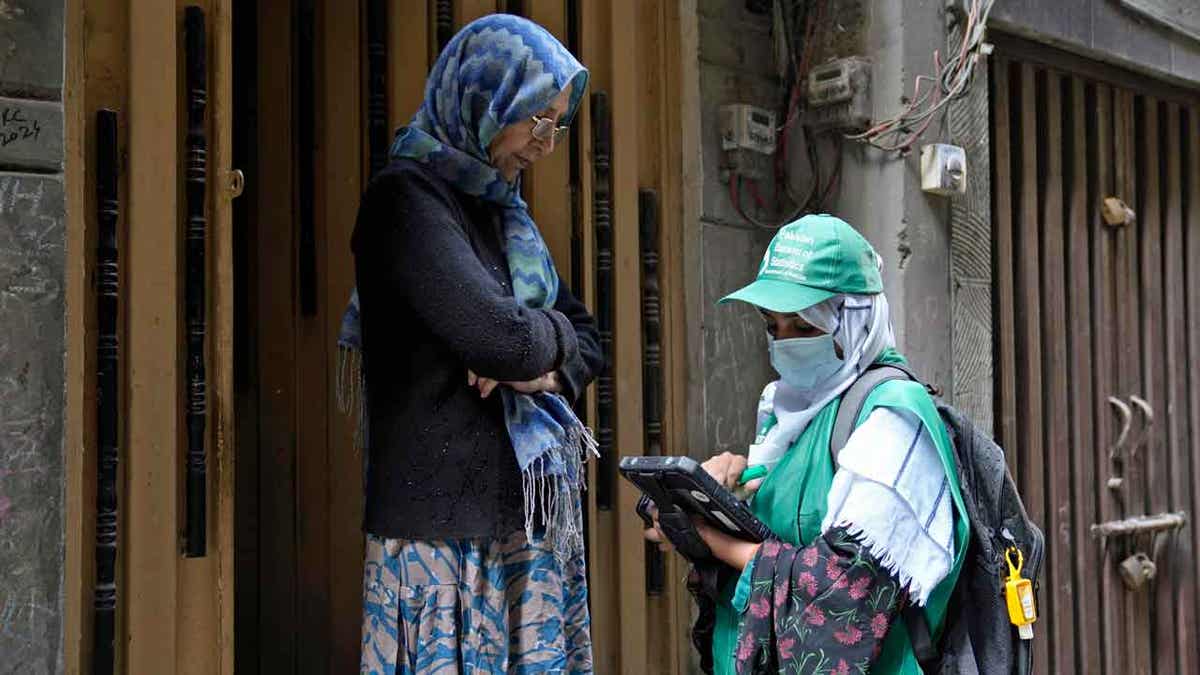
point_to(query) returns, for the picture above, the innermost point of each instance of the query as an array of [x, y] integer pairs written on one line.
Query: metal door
[[1096, 232]]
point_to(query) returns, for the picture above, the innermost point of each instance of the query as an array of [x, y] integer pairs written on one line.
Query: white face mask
[[804, 363]]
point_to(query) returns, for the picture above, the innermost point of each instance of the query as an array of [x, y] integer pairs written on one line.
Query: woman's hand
[[737, 553], [485, 385], [548, 382], [726, 468], [655, 534]]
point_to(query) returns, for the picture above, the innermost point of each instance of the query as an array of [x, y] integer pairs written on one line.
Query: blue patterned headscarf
[[501, 70]]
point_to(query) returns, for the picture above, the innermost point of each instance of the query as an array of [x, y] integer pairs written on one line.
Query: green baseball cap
[[809, 261]]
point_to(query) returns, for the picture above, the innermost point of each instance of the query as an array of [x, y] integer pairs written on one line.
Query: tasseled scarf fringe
[[557, 496], [351, 391], [917, 592]]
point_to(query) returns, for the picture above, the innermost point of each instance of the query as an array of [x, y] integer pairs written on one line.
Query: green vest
[[792, 502]]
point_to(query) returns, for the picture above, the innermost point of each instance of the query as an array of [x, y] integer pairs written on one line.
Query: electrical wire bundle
[[794, 65], [950, 81]]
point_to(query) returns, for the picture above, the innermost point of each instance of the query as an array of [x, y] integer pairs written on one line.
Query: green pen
[[751, 473]]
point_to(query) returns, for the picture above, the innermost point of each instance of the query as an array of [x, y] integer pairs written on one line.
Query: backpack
[[977, 636]]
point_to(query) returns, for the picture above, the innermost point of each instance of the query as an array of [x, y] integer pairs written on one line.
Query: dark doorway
[[298, 138]]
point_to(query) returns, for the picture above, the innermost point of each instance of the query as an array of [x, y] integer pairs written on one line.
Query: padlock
[[1137, 569]]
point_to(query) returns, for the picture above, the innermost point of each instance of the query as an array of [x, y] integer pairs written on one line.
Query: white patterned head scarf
[[862, 326]]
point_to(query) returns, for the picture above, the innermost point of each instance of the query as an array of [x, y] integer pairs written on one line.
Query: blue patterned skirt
[[473, 606]]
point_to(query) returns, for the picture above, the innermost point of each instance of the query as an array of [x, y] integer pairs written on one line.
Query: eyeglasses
[[544, 129]]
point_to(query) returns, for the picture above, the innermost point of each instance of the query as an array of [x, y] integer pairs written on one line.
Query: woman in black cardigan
[[472, 352]]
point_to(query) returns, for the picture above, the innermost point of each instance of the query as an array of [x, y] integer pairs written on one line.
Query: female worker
[[860, 537]]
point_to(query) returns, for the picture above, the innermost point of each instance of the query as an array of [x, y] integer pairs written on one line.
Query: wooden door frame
[[122, 60], [642, 54], [180, 611]]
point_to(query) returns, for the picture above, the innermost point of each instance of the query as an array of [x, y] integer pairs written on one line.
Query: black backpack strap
[[854, 398], [919, 635]]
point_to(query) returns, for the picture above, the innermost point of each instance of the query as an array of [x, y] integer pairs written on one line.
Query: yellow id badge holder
[[1018, 592]]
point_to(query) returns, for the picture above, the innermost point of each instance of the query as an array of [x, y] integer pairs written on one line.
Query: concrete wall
[[735, 66], [1108, 30], [881, 195], [32, 341]]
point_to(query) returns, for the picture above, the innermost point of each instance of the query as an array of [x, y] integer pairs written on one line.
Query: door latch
[[1140, 568]]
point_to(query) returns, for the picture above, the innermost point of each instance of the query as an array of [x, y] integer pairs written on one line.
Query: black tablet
[[682, 486]]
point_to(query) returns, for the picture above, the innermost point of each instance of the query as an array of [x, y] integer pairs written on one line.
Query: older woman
[[860, 537], [472, 351]]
